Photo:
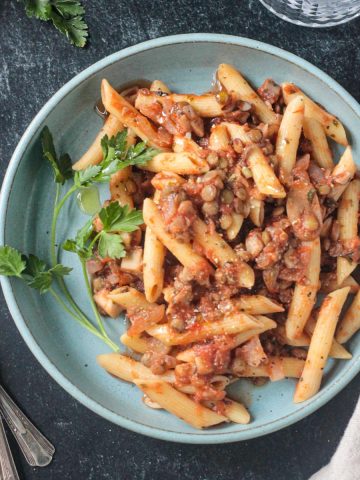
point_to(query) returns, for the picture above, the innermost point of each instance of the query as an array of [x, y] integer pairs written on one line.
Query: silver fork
[[7, 466], [38, 451]]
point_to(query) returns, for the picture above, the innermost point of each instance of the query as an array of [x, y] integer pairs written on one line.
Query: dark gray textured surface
[[35, 62]]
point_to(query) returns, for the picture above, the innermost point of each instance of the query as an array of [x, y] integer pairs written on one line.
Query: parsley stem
[[84, 323], [57, 209], [93, 305]]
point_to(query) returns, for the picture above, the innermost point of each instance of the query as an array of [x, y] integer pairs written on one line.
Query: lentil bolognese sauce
[[248, 220]]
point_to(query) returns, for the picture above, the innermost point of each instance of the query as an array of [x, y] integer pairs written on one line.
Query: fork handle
[[7, 465], [38, 451]]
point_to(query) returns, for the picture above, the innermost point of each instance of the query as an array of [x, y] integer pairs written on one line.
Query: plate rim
[[190, 437]]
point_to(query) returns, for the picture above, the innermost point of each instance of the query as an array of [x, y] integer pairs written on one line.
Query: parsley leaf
[[66, 16], [117, 218], [116, 156], [71, 245], [111, 245], [31, 269], [73, 27], [40, 9], [62, 166], [11, 262]]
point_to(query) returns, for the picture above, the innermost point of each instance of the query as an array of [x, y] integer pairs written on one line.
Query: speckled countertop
[[35, 61]]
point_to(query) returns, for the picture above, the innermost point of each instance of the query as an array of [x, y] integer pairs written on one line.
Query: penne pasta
[[343, 171], [229, 325], [336, 350], [219, 138], [350, 323], [265, 324], [179, 404], [236, 412], [159, 86], [292, 367], [320, 345], [154, 256], [304, 296], [315, 133], [118, 188], [239, 89], [287, 142], [94, 154], [116, 105], [182, 163], [347, 216], [182, 251], [257, 305], [333, 127], [138, 344], [135, 303], [220, 253], [263, 174], [205, 105]]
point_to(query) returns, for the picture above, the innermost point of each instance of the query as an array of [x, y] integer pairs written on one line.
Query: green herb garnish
[[66, 15]]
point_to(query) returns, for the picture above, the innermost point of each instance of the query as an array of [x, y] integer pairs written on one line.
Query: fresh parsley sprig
[[66, 15], [37, 275], [115, 219], [30, 269], [116, 156]]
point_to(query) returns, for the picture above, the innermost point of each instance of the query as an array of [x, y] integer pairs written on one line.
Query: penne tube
[[159, 86], [304, 296], [240, 132], [263, 174], [138, 344], [220, 253], [229, 325], [236, 412], [154, 255], [265, 324], [329, 285], [257, 211], [182, 163], [185, 144], [332, 126], [347, 216], [320, 345], [336, 350], [153, 269], [303, 340], [257, 304], [135, 303], [344, 170], [94, 154], [116, 105], [182, 251], [205, 105], [287, 142], [315, 133], [239, 89], [123, 367], [118, 188], [292, 367], [219, 139], [179, 404], [350, 323]]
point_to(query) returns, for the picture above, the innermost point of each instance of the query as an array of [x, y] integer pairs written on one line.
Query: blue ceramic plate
[[186, 63]]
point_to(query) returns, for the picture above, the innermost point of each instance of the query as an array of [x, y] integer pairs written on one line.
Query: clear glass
[[314, 13]]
